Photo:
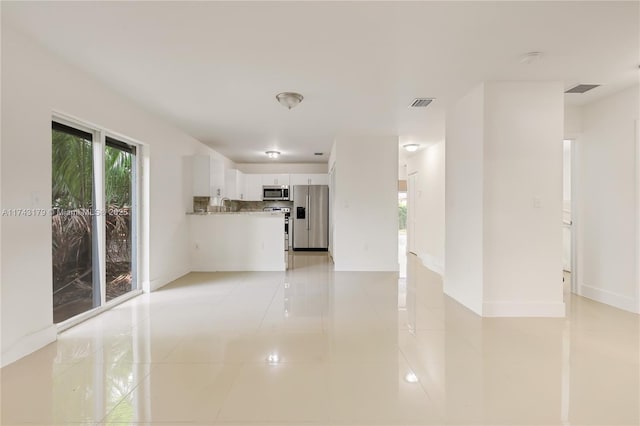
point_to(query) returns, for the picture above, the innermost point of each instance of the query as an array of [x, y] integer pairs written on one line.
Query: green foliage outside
[[72, 186], [402, 216], [72, 162], [117, 163], [73, 203]]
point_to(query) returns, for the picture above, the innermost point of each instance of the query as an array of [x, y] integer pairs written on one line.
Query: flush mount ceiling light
[[289, 99], [273, 359], [273, 154], [530, 58], [411, 377], [411, 147]]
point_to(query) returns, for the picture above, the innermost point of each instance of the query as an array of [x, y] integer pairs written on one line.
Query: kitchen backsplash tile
[[241, 206], [200, 203]]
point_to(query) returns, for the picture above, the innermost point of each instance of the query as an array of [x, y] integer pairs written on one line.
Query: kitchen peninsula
[[237, 241]]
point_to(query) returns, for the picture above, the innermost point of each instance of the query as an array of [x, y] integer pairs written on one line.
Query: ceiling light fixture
[[289, 99], [411, 147], [411, 377], [273, 154], [273, 358]]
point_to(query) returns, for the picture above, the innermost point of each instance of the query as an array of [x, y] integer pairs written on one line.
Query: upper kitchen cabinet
[[309, 179], [275, 179], [234, 185], [253, 187], [208, 176]]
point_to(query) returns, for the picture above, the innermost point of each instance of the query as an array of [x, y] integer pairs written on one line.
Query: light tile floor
[[319, 347]]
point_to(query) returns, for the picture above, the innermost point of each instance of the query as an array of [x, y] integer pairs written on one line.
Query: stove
[[287, 214]]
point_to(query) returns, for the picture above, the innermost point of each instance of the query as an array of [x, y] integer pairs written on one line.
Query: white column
[[365, 208], [504, 199]]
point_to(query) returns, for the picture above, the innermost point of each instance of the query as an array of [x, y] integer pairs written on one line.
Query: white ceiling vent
[[582, 88], [420, 102]]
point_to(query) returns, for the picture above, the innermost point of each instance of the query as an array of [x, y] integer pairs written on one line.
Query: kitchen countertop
[[252, 213]]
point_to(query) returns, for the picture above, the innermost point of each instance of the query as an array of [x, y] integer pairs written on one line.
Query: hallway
[[313, 345]]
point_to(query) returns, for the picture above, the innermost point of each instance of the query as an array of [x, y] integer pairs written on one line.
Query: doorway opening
[[402, 227], [567, 218]]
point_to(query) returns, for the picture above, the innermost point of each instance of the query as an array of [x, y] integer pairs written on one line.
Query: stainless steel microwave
[[275, 193]]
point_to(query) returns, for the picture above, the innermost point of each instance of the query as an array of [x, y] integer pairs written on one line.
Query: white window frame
[[139, 222]]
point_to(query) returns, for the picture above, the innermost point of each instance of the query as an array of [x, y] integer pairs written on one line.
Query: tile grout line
[[125, 396]]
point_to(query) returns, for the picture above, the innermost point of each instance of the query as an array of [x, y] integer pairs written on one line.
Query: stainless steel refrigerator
[[310, 216]]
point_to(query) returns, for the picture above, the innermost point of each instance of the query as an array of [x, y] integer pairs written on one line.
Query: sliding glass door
[[94, 219], [120, 162], [75, 287]]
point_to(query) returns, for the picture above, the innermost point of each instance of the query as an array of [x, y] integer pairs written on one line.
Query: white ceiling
[[214, 68]]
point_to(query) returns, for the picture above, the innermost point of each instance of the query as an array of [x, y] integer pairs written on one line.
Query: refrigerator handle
[[308, 211]]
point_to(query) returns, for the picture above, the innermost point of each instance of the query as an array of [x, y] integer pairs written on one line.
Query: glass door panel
[[75, 273], [120, 218]]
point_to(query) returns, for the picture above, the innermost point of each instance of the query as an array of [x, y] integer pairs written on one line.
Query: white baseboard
[[432, 263], [29, 344], [524, 309], [157, 283], [240, 268], [464, 299], [609, 298], [369, 268]]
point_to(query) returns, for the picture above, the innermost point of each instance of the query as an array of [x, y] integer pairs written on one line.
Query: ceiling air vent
[[420, 102], [582, 88]]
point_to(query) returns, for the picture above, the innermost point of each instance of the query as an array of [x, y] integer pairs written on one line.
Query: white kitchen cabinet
[[309, 179], [208, 176], [234, 185], [275, 179], [253, 187], [253, 182], [217, 181], [201, 166]]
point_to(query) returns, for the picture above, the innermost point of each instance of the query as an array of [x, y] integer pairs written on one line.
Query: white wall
[[523, 197], [282, 167], [403, 158], [365, 209], [566, 204], [566, 174], [464, 169], [606, 200], [34, 85], [572, 121], [504, 199], [428, 234]]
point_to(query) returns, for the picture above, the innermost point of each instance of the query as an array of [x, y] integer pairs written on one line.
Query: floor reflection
[[516, 371], [311, 345]]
